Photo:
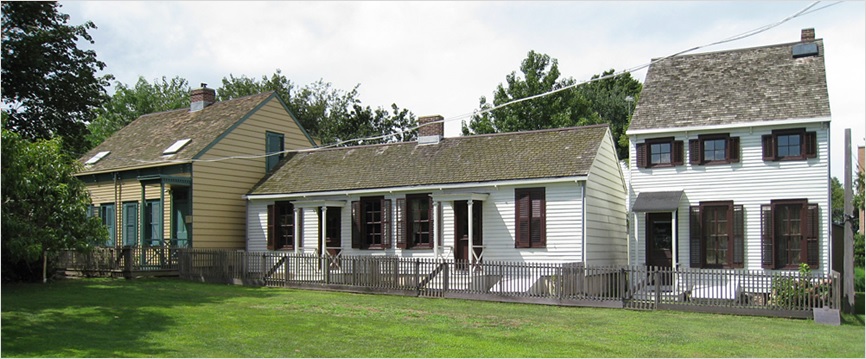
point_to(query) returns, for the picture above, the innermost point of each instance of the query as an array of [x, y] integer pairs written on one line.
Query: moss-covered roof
[[142, 142], [737, 86], [510, 156]]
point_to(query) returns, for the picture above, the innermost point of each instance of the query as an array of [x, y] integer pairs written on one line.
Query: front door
[[461, 229], [333, 241], [659, 236]]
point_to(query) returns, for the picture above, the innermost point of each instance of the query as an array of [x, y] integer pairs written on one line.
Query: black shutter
[[357, 239], [767, 247], [677, 153], [734, 149], [768, 147], [739, 240], [537, 224], [272, 217], [640, 153], [695, 242], [386, 223], [439, 227], [300, 229], [399, 219], [521, 215], [811, 233], [810, 141], [695, 152]]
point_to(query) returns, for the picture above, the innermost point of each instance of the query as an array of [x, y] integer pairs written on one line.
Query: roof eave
[[793, 121]]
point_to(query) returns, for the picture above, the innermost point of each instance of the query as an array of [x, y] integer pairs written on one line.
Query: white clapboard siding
[[751, 183], [606, 237]]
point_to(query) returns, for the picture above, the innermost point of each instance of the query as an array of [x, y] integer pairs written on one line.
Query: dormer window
[[175, 147], [96, 158]]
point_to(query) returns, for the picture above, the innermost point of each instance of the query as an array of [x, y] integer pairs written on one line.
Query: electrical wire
[[740, 36]]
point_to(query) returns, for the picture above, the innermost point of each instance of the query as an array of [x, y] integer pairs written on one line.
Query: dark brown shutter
[[399, 219], [767, 243], [521, 215], [810, 141], [537, 224], [695, 152], [812, 233], [640, 153], [272, 217], [734, 149], [357, 239], [739, 238], [695, 242], [386, 223], [439, 225], [768, 147], [300, 221], [431, 219], [677, 153]]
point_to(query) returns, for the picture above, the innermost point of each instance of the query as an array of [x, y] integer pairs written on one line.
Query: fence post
[[127, 263], [446, 278], [657, 294], [622, 285], [417, 273]]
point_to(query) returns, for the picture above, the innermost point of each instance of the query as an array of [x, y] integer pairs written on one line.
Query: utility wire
[[741, 36]]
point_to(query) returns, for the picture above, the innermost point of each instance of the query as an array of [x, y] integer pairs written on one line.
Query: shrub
[[794, 292]]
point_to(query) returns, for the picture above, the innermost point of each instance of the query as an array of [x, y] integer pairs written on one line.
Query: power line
[[740, 36]]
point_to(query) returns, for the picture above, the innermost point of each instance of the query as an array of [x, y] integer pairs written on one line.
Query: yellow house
[[176, 178]]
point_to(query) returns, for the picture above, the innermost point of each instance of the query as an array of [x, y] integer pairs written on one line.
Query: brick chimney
[[201, 97], [807, 35], [430, 131]]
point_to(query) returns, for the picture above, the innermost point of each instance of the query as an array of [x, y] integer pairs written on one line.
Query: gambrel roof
[[737, 86], [468, 159], [142, 142]]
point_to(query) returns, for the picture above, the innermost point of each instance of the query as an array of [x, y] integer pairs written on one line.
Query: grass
[[173, 318]]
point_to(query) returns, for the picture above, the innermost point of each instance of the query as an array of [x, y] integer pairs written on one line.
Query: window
[[716, 235], [714, 149], [530, 218], [659, 152], [274, 143], [787, 145], [789, 234], [415, 221], [130, 224], [153, 223], [109, 217], [371, 221], [281, 226]]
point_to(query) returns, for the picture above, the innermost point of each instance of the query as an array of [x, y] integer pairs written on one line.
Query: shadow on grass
[[102, 317]]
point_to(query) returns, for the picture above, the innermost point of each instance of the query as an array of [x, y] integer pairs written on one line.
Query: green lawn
[[173, 318]]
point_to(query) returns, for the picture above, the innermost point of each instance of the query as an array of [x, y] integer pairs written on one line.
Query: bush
[[859, 248], [795, 292], [859, 279]]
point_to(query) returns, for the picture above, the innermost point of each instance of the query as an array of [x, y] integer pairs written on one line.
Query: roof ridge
[[821, 40]]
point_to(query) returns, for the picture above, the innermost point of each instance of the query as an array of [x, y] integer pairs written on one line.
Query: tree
[[49, 86], [128, 104], [328, 114], [837, 198], [565, 108], [45, 208], [607, 97]]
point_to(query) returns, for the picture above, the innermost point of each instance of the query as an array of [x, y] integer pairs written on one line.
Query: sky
[[439, 58]]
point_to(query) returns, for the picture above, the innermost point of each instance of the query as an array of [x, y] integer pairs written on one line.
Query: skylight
[[97, 157], [176, 147]]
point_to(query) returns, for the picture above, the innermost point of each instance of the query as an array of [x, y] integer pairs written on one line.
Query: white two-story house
[[730, 160]]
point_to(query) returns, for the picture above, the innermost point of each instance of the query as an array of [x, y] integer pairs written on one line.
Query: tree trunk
[[44, 266]]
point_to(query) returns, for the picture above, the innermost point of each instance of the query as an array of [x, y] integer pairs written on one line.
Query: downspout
[[583, 224]]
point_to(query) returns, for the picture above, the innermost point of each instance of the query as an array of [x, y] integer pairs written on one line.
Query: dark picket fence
[[125, 261], [787, 294]]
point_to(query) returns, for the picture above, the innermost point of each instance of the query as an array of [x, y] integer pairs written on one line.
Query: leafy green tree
[[129, 103], [366, 122], [837, 197], [49, 86], [45, 208], [607, 95], [540, 74]]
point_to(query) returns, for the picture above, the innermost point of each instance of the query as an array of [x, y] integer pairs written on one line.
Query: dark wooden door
[[659, 235], [461, 229], [333, 240]]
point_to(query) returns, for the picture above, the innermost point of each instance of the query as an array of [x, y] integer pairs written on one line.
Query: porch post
[[162, 212], [636, 239], [471, 234], [142, 206], [436, 220], [675, 258], [297, 230], [323, 235]]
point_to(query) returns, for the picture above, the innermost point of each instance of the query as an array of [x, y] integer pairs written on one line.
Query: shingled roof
[[142, 142], [738, 86], [510, 156]]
